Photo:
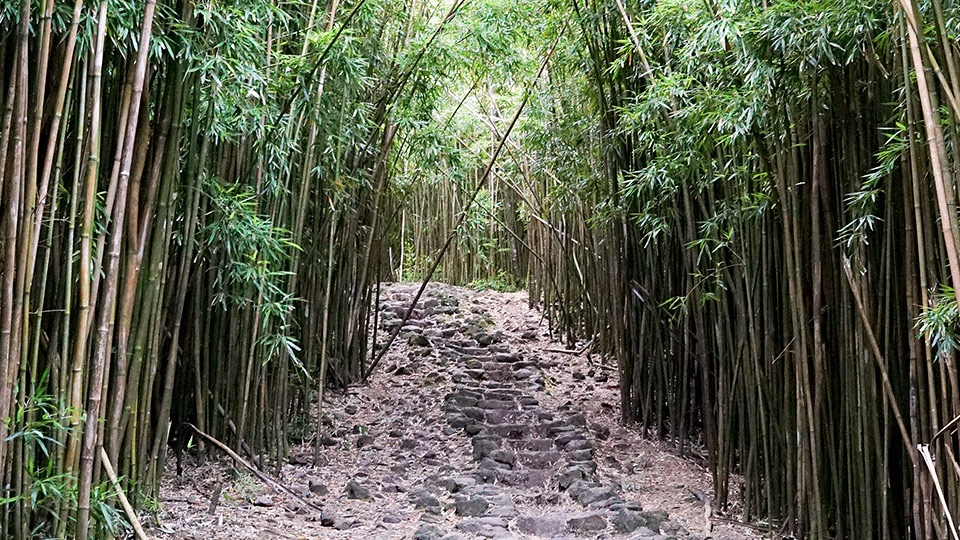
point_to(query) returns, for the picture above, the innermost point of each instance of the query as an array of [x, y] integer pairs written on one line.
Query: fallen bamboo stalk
[[270, 482], [581, 350], [127, 508], [928, 460]]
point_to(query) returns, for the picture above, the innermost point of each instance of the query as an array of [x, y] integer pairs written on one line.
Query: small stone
[[326, 440], [461, 483], [264, 501], [470, 507], [523, 373], [391, 519], [428, 531], [587, 523], [317, 488], [645, 532], [540, 526], [655, 518], [482, 446], [600, 431], [351, 409], [424, 499], [577, 444], [364, 440], [571, 475], [343, 524], [326, 520], [355, 491], [579, 487], [475, 526], [670, 527], [458, 421], [473, 412], [505, 457], [593, 495], [580, 455], [493, 404]]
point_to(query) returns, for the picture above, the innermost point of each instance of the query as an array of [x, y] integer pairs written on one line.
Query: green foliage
[[862, 204], [502, 282], [109, 521], [252, 253], [940, 321], [39, 422]]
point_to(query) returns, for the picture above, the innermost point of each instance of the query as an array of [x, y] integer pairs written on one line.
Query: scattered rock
[[540, 526], [428, 531], [505, 457], [355, 491], [483, 525], [654, 518], [264, 501], [326, 440], [364, 440], [587, 523], [594, 495], [571, 475], [424, 499], [627, 521], [482, 446], [470, 507]]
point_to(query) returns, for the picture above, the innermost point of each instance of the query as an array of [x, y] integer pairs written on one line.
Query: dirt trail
[[475, 426]]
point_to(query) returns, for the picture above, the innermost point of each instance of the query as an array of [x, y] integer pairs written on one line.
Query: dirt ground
[[389, 446]]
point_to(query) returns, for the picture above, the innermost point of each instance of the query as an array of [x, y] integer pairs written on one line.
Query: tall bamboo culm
[[189, 191], [767, 247]]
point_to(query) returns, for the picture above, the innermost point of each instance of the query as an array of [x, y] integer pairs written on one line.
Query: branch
[[275, 485], [463, 215]]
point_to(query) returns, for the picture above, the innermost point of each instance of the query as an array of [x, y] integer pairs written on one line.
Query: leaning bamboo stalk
[[438, 257], [928, 461], [946, 199], [127, 507], [878, 358]]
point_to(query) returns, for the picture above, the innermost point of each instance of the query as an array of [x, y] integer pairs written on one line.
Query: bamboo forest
[[745, 210]]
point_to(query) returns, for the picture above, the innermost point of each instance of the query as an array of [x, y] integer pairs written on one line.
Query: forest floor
[[476, 425]]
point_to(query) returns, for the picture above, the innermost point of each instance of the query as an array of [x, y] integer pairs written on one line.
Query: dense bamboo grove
[[196, 201], [766, 240], [750, 207]]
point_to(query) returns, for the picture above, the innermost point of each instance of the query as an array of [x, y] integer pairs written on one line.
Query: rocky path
[[475, 427]]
